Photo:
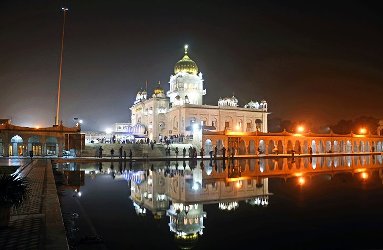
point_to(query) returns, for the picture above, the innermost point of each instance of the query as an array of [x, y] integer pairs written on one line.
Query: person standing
[[176, 150], [112, 153], [100, 152], [120, 152], [223, 152], [184, 152], [130, 154], [215, 151]]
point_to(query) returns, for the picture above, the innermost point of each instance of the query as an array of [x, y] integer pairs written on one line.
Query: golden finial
[[186, 48]]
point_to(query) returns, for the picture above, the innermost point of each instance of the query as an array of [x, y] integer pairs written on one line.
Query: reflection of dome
[[186, 241], [186, 65]]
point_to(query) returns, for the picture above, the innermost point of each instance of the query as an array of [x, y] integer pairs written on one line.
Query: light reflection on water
[[181, 191]]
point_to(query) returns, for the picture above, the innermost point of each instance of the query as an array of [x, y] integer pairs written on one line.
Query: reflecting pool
[[305, 202]]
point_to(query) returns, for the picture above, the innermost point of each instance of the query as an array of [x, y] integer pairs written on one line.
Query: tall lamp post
[[64, 9]]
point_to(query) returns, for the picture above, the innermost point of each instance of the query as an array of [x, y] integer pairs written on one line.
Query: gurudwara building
[[181, 110]]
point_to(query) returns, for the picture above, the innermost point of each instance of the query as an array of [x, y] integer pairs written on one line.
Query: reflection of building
[[148, 192], [183, 190], [181, 109]]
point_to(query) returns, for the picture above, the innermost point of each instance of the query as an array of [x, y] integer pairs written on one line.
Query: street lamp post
[[64, 9]]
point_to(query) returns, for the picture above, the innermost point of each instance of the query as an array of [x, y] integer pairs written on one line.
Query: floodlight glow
[[300, 129], [80, 121], [195, 127], [363, 130], [108, 131]]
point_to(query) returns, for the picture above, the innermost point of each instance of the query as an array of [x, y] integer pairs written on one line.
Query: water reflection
[[178, 190]]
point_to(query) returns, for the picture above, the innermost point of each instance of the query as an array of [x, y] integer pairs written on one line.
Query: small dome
[[228, 101], [186, 65], [159, 90], [252, 105]]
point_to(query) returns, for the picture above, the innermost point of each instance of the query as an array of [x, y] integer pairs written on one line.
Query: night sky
[[320, 62]]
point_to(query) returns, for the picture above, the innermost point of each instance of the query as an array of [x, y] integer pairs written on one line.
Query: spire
[[186, 48], [146, 86]]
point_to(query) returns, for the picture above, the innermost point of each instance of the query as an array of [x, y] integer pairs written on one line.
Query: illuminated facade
[[181, 110]]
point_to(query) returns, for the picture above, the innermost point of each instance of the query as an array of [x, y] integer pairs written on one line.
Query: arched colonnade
[[273, 144]]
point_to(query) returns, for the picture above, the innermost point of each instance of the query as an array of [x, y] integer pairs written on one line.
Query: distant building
[[180, 112], [52, 141]]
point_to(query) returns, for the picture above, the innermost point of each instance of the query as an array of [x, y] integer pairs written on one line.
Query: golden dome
[[186, 64], [158, 90]]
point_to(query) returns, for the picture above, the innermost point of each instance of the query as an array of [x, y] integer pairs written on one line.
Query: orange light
[[300, 129], [238, 184], [363, 131], [301, 181], [364, 176], [237, 127]]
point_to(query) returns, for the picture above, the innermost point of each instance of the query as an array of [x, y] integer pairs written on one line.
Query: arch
[[262, 147], [348, 147], [271, 146], [314, 146], [367, 146], [51, 146], [355, 147], [208, 146], [252, 147], [305, 148], [242, 147], [297, 147], [289, 147], [34, 145], [335, 147], [328, 147], [361, 146], [16, 148], [280, 147], [219, 145]]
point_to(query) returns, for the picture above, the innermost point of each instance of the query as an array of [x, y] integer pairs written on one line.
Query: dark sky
[[311, 61]]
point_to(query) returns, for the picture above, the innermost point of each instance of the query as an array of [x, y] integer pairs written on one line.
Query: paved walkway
[[37, 224]]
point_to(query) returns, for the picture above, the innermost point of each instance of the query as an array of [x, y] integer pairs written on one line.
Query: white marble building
[[181, 110]]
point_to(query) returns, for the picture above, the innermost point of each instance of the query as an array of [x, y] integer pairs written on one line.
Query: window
[[227, 125]]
